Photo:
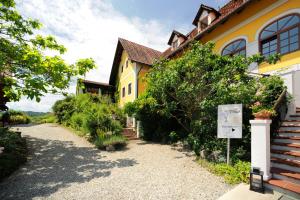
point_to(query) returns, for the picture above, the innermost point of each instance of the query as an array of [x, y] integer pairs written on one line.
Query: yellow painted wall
[[142, 84], [250, 30], [126, 77]]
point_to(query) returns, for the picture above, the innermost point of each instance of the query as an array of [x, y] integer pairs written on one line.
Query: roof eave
[[199, 35]]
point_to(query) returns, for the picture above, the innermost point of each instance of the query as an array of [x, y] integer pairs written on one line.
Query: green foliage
[[235, 174], [43, 118], [269, 91], [104, 140], [15, 117], [183, 95], [14, 153], [91, 115], [25, 69]]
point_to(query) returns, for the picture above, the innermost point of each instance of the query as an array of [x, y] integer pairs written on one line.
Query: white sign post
[[230, 123]]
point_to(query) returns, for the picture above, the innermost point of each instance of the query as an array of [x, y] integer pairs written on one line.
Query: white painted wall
[[288, 81], [297, 88]]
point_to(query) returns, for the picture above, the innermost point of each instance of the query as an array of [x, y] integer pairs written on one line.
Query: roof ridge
[[139, 44]]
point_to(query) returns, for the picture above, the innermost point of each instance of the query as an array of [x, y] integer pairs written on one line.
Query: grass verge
[[233, 174]]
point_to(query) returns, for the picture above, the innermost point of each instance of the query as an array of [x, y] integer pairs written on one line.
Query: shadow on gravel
[[55, 165]]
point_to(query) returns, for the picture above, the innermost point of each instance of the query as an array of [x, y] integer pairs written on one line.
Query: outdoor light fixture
[[256, 180]]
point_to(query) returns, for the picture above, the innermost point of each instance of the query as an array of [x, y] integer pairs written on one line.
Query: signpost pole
[[228, 151]]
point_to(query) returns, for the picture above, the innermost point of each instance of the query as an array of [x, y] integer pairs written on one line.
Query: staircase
[[285, 158], [129, 133]]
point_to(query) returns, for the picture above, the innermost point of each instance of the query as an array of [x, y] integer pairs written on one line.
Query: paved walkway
[[64, 166]]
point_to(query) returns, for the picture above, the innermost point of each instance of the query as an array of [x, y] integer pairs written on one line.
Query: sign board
[[230, 121]]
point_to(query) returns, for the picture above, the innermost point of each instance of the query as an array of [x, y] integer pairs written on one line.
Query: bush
[[15, 117], [91, 115], [105, 140], [183, 95], [14, 153], [237, 173]]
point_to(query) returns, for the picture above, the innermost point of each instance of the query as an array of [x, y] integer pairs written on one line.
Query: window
[[121, 68], [129, 88], [126, 63], [237, 47], [123, 92], [175, 44], [281, 36], [203, 23]]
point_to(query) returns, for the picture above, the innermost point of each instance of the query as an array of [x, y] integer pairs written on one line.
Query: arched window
[[237, 47], [281, 36]]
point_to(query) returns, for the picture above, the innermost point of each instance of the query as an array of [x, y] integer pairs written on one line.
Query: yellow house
[[131, 62], [248, 27]]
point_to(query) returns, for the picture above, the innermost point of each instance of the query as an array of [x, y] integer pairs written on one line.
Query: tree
[[189, 89], [25, 70]]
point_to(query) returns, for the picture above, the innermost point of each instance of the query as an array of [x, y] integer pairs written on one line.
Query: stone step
[[284, 166], [288, 134], [292, 163], [286, 144], [284, 148], [290, 128], [289, 131], [296, 116], [287, 140], [284, 187], [129, 133], [287, 175], [291, 155]]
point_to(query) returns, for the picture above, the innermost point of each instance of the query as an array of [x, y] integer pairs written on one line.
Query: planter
[[263, 115]]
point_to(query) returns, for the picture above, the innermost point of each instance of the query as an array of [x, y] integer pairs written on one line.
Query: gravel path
[[62, 165]]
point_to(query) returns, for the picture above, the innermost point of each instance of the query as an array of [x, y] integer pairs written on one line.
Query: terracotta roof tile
[[140, 53], [225, 12], [136, 52]]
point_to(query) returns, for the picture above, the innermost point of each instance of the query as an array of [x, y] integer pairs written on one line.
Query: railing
[[281, 109]]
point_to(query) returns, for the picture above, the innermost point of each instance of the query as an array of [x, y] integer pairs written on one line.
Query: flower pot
[[263, 115]]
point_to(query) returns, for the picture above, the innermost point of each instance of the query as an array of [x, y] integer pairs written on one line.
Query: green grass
[[14, 154], [42, 119], [118, 141], [233, 174]]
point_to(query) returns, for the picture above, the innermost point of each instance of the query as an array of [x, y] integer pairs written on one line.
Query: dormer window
[[176, 39], [175, 44], [205, 16], [203, 23]]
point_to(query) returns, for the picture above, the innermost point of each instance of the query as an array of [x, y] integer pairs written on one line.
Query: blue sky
[[175, 14], [90, 28]]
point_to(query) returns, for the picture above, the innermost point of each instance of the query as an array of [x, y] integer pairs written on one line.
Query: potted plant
[[262, 112]]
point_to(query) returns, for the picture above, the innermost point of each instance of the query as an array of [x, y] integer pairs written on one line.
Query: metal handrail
[[280, 108], [280, 100]]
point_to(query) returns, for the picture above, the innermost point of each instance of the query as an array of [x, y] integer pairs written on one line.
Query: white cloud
[[88, 28]]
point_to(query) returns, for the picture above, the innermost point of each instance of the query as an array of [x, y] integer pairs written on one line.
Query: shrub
[[15, 117], [77, 120], [63, 109], [103, 141], [237, 173], [91, 115], [14, 153], [183, 95]]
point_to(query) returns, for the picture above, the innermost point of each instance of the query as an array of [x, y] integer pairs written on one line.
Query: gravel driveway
[[62, 165]]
